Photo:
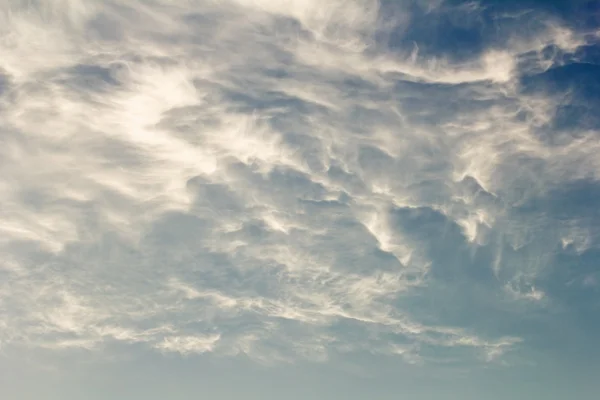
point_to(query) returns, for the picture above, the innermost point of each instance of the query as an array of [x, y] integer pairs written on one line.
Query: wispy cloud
[[247, 176]]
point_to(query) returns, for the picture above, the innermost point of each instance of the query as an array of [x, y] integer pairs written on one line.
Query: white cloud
[[215, 167], [188, 344]]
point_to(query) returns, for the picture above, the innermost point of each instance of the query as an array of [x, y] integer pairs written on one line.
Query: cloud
[[188, 344], [247, 177]]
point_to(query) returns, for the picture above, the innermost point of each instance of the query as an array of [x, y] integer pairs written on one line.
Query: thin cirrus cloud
[[294, 180]]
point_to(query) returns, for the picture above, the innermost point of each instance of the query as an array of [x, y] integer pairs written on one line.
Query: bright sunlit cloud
[[291, 181]]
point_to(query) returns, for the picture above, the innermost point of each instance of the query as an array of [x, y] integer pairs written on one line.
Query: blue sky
[[265, 199]]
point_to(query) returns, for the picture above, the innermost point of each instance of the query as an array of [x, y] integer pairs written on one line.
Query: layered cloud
[[290, 179]]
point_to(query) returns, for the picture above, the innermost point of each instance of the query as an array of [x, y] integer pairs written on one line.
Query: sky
[[291, 199]]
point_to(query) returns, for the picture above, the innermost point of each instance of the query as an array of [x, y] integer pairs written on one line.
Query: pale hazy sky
[[293, 199]]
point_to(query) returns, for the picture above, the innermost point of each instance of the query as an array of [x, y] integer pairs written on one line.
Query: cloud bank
[[292, 179]]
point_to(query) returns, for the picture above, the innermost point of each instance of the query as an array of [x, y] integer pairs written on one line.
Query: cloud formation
[[287, 179]]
